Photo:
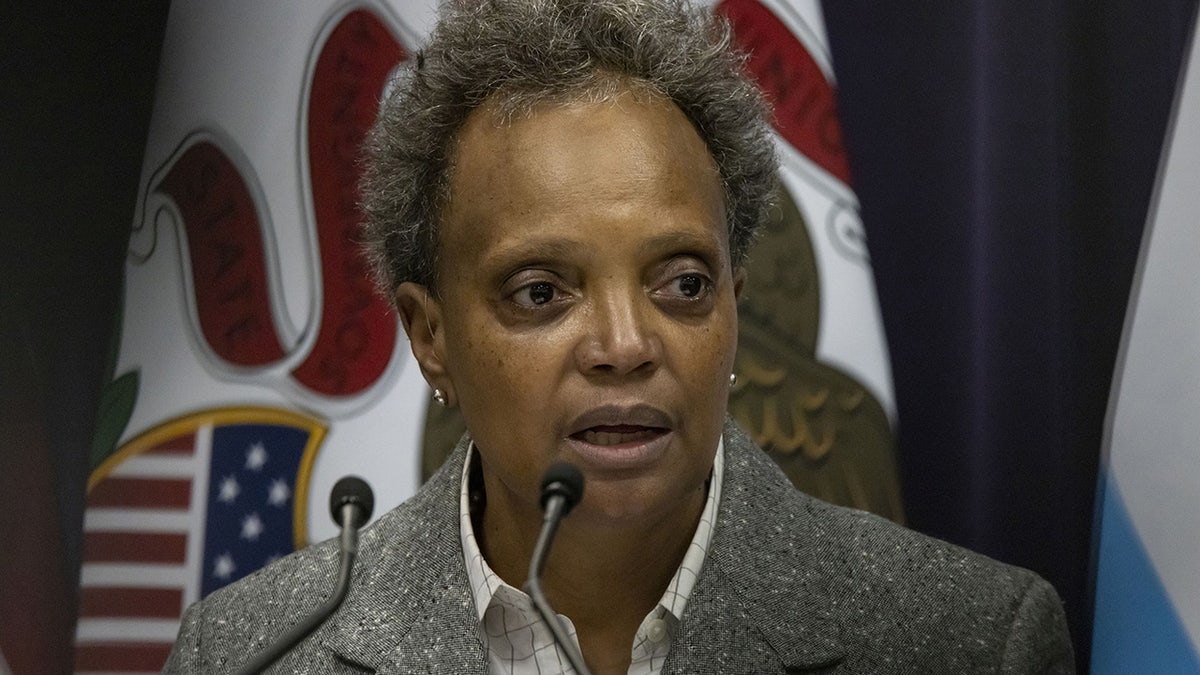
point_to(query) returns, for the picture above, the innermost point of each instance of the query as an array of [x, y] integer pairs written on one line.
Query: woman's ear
[[421, 316], [739, 280]]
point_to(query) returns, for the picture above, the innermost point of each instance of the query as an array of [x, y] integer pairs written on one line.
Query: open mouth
[[621, 434], [618, 438]]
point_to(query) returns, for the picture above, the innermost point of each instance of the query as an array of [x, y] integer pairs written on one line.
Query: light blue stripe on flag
[[1147, 600], [1137, 629]]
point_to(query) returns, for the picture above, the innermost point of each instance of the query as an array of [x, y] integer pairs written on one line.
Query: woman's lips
[[607, 418], [618, 434], [607, 451], [620, 437]]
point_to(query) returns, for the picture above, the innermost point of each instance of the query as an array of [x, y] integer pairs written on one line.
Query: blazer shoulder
[[963, 610], [244, 617], [234, 622], [892, 592], [768, 512]]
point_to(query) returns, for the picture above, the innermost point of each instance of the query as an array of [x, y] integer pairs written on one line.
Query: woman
[[560, 199]]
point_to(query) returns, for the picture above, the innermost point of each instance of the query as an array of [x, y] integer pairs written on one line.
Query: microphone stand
[[352, 511], [557, 500]]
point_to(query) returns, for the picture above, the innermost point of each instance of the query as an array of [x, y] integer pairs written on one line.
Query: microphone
[[562, 488], [350, 503]]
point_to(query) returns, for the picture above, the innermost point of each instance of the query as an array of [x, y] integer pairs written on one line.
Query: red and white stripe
[[142, 556]]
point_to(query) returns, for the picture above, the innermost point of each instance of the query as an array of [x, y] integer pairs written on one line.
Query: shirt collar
[[485, 583]]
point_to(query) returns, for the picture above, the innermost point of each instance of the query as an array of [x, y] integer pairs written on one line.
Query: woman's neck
[[604, 577]]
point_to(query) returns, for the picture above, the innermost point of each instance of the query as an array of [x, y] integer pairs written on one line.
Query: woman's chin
[[637, 504]]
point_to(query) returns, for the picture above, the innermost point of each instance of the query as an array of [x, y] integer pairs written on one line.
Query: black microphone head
[[352, 490], [564, 480]]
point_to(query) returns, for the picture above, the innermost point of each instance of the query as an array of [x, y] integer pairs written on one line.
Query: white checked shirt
[[519, 643]]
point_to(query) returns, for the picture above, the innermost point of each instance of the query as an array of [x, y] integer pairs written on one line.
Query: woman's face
[[586, 305]]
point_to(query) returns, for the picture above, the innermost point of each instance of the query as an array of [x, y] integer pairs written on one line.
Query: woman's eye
[[532, 295], [690, 285]]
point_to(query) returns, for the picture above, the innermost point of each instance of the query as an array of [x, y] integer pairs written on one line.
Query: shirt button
[[656, 631]]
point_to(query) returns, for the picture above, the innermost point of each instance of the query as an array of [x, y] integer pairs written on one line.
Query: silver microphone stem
[[533, 585]]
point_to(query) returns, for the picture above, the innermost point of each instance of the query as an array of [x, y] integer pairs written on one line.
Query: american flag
[[180, 511]]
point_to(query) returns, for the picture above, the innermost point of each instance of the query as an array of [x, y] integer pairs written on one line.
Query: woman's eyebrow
[[704, 246], [531, 252]]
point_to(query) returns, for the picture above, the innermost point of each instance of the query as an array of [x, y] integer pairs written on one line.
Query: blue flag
[[1147, 612]]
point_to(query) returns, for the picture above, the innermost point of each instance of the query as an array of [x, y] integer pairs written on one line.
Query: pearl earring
[[732, 379]]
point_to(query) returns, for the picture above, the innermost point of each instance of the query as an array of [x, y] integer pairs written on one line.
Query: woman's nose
[[619, 336]]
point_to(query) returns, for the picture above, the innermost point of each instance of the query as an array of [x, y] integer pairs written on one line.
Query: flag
[[180, 511], [244, 283], [256, 363], [814, 377], [1147, 602]]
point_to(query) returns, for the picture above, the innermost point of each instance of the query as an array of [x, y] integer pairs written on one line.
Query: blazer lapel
[[409, 609], [745, 610]]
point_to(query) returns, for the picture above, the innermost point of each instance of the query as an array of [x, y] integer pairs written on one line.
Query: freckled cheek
[[512, 368], [705, 359]]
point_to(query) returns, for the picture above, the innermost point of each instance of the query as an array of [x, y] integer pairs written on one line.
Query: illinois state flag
[[256, 366], [1147, 617], [814, 382]]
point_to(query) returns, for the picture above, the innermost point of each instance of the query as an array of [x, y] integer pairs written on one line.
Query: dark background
[[76, 90], [1004, 155]]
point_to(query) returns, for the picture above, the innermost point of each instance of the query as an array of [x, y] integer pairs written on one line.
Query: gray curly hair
[[516, 54]]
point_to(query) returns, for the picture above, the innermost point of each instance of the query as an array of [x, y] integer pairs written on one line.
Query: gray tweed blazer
[[790, 585]]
